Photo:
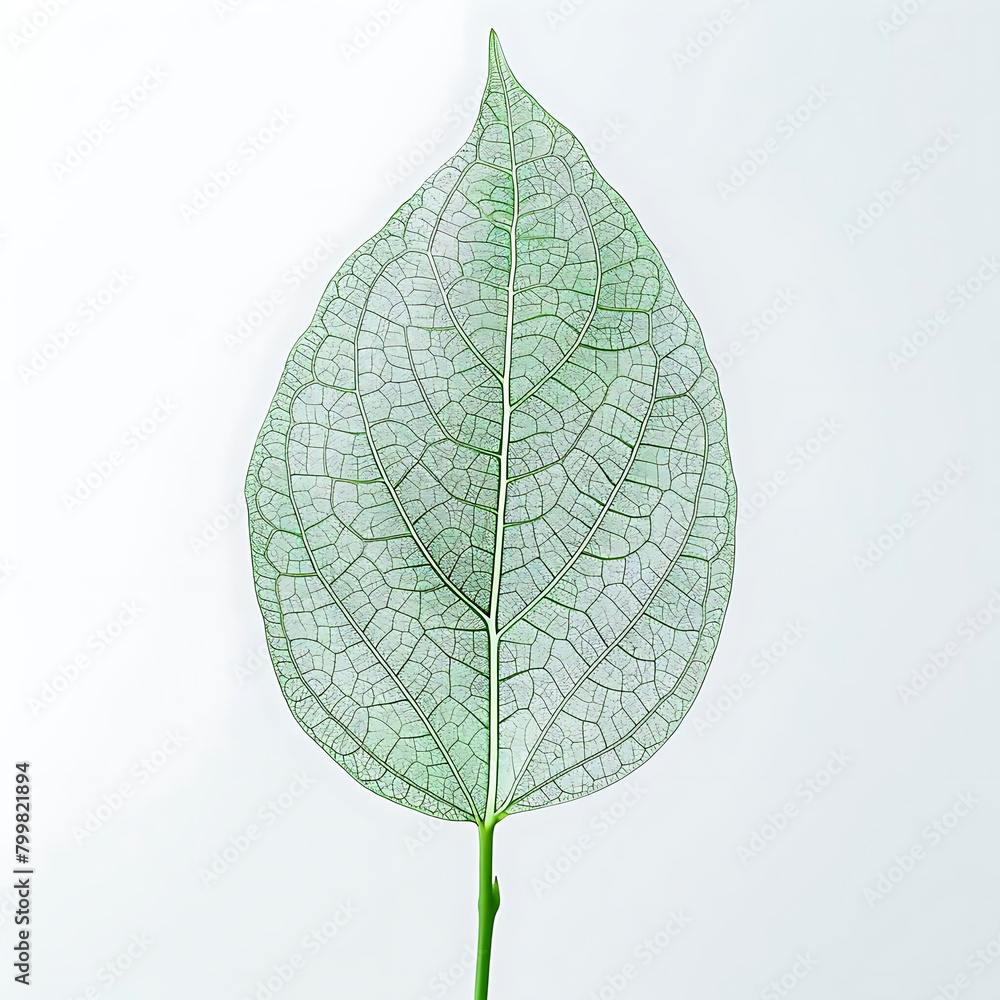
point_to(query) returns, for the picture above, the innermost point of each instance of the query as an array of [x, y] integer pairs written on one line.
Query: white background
[[680, 130]]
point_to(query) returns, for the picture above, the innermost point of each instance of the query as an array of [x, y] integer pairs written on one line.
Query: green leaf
[[492, 510]]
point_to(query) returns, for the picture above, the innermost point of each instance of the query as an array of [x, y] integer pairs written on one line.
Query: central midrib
[[492, 623]]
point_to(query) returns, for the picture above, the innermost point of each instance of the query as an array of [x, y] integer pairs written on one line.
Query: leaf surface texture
[[491, 506]]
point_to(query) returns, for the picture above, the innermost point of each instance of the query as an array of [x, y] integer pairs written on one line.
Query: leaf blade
[[502, 400]]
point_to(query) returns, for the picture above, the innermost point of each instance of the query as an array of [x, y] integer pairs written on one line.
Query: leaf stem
[[489, 903]]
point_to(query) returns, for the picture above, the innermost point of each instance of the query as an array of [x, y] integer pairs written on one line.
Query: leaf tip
[[498, 61]]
